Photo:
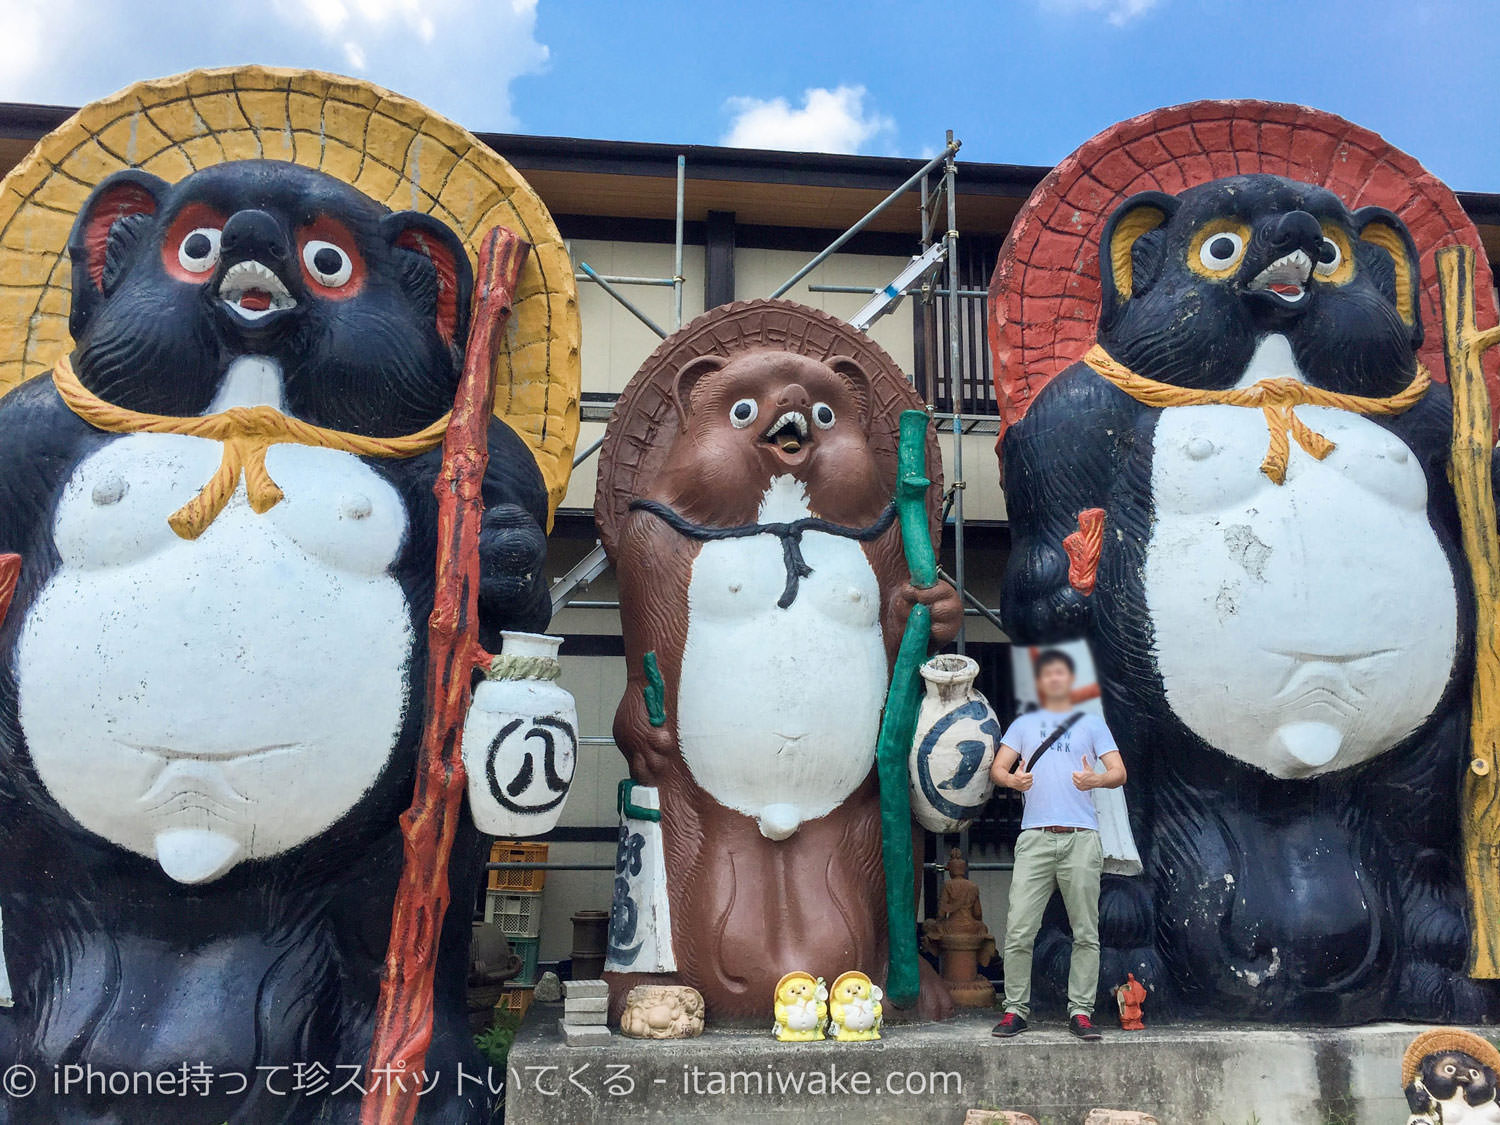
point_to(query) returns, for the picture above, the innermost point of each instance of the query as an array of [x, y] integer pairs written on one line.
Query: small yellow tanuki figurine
[[801, 1008], [854, 1008]]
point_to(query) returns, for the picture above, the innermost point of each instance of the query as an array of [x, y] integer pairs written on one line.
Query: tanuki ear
[[1382, 228], [859, 383], [687, 379], [1137, 216], [422, 234], [118, 197]]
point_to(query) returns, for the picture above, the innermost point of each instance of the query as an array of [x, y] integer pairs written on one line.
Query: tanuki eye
[[743, 412], [1330, 257], [327, 263], [822, 415], [199, 251], [1222, 251]]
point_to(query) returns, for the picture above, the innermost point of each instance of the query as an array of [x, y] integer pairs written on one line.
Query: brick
[[587, 1036], [586, 988]]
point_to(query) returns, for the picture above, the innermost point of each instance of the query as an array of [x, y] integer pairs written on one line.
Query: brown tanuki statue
[[745, 496], [960, 938]]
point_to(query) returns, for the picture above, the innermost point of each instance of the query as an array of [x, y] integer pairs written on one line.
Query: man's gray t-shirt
[[1053, 800]]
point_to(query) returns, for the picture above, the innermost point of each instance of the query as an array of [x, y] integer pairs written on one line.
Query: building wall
[[615, 343]]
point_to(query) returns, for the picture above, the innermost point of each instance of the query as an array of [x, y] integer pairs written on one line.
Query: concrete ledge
[[1188, 1074]]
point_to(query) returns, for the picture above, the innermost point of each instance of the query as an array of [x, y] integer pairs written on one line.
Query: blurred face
[[1054, 682]]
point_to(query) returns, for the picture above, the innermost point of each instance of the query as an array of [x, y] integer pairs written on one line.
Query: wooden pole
[[403, 1017], [10, 574], [1473, 449]]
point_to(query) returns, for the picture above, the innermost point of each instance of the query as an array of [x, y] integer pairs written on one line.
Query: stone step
[[1183, 1074]]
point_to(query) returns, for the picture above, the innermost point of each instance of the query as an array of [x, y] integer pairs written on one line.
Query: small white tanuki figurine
[[801, 1008], [854, 1007], [1449, 1077]]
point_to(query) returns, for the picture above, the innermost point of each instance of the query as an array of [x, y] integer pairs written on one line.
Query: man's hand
[[1112, 778], [1005, 759]]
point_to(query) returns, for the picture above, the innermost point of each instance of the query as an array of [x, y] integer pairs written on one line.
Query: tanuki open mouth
[[1285, 278], [253, 290], [789, 432]]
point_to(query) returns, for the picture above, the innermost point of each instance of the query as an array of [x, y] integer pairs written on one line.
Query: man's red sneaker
[[1083, 1028], [1010, 1025]]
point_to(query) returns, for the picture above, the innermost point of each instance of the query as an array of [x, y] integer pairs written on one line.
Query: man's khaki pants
[[1070, 862]]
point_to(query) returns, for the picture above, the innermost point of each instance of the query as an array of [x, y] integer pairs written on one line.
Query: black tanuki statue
[[1276, 602], [211, 673]]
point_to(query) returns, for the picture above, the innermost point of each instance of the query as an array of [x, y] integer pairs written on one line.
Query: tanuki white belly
[[1306, 627], [778, 709], [227, 698]]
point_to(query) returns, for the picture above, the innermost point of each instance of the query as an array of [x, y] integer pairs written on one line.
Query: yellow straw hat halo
[[852, 974], [796, 974], [393, 149], [1441, 1039]]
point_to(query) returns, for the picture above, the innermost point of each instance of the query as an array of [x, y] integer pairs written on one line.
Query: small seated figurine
[[960, 938], [801, 1008], [662, 1011], [1449, 1078], [1130, 997], [854, 1008]]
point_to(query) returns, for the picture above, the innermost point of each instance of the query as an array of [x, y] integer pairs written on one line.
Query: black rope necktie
[[790, 535]]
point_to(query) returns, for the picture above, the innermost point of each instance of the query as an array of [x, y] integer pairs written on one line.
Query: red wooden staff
[[403, 1018]]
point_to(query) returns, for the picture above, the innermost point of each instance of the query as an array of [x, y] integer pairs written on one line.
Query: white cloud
[[834, 120], [458, 56], [27, 33], [1117, 12]]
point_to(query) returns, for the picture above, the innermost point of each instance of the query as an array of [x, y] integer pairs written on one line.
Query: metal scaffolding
[[611, 284]]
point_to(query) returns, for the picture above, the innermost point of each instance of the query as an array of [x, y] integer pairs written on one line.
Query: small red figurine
[[1130, 996]]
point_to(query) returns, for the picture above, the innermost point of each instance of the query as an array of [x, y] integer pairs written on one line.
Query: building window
[[976, 259]]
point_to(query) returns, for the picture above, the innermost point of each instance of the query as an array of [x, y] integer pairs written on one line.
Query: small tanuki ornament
[[227, 654], [1449, 1075], [1249, 492], [1130, 998], [748, 495], [800, 1008], [854, 1009], [960, 938]]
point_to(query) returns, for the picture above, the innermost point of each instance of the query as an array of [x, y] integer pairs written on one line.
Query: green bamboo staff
[[899, 721]]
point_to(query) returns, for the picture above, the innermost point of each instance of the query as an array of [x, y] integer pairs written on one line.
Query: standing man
[[1056, 747]]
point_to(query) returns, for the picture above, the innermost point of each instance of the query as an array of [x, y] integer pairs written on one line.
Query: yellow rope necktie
[[1275, 398], [246, 432]]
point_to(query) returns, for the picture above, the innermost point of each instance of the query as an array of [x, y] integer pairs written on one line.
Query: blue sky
[[1020, 81]]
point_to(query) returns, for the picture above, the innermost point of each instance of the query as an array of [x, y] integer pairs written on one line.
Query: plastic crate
[[526, 948], [517, 913], [511, 851], [515, 1000]]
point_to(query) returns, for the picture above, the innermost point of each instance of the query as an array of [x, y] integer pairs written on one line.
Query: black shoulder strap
[[1046, 745]]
